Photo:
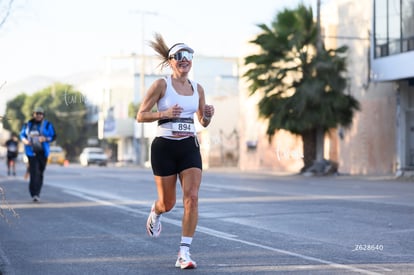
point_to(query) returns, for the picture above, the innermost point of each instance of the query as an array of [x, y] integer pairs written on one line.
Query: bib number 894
[[182, 128]]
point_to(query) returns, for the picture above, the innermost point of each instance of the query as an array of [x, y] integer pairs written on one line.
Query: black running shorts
[[170, 157]]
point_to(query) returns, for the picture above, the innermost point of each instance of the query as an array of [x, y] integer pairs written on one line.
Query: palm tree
[[302, 85]]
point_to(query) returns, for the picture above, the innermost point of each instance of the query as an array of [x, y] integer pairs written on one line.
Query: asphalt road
[[92, 221]]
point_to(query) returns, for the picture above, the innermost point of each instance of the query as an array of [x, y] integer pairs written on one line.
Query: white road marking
[[85, 194]]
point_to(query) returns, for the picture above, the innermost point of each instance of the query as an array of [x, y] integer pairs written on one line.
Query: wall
[[282, 154], [368, 147]]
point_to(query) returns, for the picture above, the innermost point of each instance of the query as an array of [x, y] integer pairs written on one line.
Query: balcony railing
[[394, 46]]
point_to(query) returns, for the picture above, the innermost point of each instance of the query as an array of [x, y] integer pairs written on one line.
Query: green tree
[[64, 107], [133, 109], [14, 117], [302, 85]]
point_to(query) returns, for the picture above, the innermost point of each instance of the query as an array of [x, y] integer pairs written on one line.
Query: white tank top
[[170, 98]]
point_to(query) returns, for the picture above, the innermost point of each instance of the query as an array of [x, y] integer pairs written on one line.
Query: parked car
[[57, 155], [93, 155]]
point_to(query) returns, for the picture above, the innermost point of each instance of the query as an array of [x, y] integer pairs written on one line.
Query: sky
[[58, 38]]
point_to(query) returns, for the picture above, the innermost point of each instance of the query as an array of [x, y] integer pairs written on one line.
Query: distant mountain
[[26, 85], [78, 79]]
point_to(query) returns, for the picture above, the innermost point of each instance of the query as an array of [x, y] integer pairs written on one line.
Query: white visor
[[179, 47]]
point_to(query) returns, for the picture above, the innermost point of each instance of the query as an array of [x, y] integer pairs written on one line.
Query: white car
[[93, 155]]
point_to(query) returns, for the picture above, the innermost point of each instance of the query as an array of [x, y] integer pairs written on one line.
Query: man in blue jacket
[[36, 135]]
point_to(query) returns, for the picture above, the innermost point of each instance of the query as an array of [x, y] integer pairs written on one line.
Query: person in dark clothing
[[36, 135], [12, 146]]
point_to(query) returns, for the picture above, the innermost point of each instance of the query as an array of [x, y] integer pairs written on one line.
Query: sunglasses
[[39, 113], [181, 55]]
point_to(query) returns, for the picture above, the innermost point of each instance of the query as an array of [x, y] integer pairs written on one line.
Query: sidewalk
[[391, 177]]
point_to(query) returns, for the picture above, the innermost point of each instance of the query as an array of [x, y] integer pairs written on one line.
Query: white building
[[392, 56]]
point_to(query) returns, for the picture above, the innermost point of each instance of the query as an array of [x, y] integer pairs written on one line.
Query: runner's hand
[[174, 111]]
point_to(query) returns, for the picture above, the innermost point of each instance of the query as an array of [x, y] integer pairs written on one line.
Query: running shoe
[[36, 199], [184, 261], [153, 227]]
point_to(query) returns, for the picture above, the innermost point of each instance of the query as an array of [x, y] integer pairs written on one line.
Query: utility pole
[[320, 133], [143, 147], [143, 144], [318, 25]]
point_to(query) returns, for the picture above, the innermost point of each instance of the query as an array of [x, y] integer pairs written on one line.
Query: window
[[380, 28], [407, 25], [393, 27]]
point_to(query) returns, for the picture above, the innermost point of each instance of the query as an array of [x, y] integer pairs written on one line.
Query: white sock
[[185, 244]]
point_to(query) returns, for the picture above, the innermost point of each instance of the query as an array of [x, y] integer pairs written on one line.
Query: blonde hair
[[159, 45]]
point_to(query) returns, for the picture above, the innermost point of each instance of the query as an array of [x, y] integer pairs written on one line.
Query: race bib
[[34, 133], [183, 127], [12, 148], [36, 144]]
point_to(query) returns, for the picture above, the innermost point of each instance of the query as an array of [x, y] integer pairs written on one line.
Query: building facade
[[392, 57], [380, 37]]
